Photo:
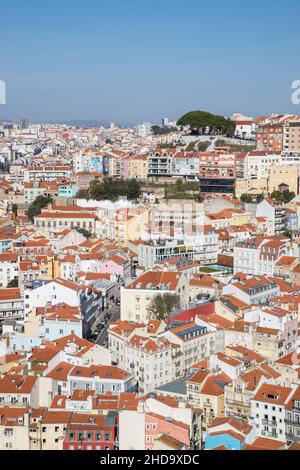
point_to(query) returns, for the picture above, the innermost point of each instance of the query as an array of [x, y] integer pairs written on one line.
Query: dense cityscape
[[150, 285]]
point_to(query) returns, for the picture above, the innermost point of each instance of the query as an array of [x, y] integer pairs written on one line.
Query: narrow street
[[114, 313]]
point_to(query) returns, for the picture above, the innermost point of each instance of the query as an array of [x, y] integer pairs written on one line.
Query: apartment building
[[270, 137], [49, 223], [176, 219], [292, 417], [160, 163], [90, 161], [9, 268], [260, 255], [186, 165], [91, 432], [103, 379], [291, 137], [14, 424], [252, 290], [268, 411], [284, 176], [135, 166], [46, 173], [136, 298], [155, 416], [11, 304], [197, 341], [257, 164], [276, 318], [33, 190], [204, 250], [217, 173], [151, 357], [47, 429], [275, 212], [242, 389]]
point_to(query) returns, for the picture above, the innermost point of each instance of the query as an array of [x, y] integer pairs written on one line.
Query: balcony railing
[[266, 422]]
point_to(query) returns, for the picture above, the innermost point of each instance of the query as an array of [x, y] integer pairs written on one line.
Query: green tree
[[36, 207], [260, 198], [283, 197], [198, 121], [13, 284], [88, 235], [83, 194], [112, 188], [162, 305], [246, 198], [15, 209]]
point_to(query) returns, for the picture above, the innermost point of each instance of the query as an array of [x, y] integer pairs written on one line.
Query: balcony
[[238, 403], [292, 423], [270, 435], [266, 422]]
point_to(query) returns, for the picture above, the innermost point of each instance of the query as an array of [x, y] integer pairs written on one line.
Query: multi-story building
[[284, 176], [217, 173], [197, 341], [186, 165], [257, 164], [48, 223], [291, 137], [14, 424], [103, 379], [270, 137], [292, 417], [91, 432], [204, 251], [9, 268], [135, 166], [160, 163], [136, 298], [259, 255], [242, 389], [155, 416], [275, 211], [11, 304], [91, 162], [33, 190], [151, 357], [268, 411], [253, 290], [46, 173]]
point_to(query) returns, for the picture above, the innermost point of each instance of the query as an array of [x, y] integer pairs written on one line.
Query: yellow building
[[138, 167], [212, 400], [251, 187], [128, 225], [284, 175]]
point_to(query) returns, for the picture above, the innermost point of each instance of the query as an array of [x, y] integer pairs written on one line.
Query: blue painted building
[[225, 439]]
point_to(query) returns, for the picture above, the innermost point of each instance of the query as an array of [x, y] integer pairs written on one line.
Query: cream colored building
[[14, 428], [48, 431], [137, 297], [138, 167], [252, 187], [257, 166], [284, 174], [48, 223], [291, 137]]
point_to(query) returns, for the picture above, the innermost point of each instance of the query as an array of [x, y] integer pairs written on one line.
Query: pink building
[[156, 425], [117, 265]]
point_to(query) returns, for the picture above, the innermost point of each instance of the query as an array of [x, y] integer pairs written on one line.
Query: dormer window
[[271, 397]]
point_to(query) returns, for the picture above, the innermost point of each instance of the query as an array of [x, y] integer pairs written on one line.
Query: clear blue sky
[[131, 61]]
